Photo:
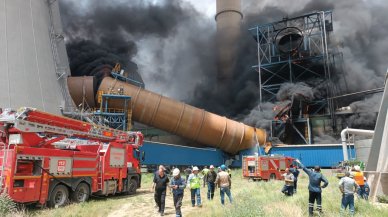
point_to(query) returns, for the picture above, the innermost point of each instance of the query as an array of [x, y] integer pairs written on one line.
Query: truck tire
[[272, 176], [59, 196], [132, 186], [81, 193]]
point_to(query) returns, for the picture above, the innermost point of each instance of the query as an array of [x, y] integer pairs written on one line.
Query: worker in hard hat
[[358, 176], [210, 179], [288, 188], [194, 182], [315, 188], [178, 185], [160, 185], [224, 182], [348, 187]]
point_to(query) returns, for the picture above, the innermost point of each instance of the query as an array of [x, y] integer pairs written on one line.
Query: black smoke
[[173, 47], [103, 33]]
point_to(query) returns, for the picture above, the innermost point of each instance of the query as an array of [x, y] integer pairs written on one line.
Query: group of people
[[353, 182], [212, 179]]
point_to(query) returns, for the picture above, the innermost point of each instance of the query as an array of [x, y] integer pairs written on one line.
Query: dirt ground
[[143, 207]]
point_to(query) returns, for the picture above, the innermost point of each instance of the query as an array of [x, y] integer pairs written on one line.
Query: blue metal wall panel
[[167, 154], [310, 155], [324, 156]]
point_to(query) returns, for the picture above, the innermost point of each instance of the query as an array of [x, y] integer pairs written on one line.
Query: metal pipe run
[[184, 120], [346, 131]]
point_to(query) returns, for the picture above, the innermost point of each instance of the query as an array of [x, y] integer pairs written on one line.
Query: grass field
[[250, 199]]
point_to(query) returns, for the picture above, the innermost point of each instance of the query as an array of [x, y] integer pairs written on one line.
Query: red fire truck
[[49, 159], [265, 167]]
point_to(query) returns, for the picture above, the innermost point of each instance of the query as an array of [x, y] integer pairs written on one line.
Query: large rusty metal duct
[[82, 90], [184, 120], [228, 18]]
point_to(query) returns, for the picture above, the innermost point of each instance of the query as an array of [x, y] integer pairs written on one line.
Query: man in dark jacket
[[178, 186], [160, 184], [209, 179], [294, 170], [315, 189]]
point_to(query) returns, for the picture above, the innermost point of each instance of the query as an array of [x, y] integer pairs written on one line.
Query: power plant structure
[[291, 51], [228, 18], [33, 56]]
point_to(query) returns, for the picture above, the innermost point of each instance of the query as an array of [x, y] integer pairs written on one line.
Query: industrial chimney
[[33, 58], [228, 18]]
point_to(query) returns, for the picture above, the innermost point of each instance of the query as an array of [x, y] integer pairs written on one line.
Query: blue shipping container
[[168, 154], [325, 156]]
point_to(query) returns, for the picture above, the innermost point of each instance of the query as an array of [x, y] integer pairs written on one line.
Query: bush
[[7, 206], [382, 198]]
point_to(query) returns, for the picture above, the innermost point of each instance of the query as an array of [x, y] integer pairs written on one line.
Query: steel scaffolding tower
[[296, 50]]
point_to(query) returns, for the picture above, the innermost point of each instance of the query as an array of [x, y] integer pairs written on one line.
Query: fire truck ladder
[[3, 159]]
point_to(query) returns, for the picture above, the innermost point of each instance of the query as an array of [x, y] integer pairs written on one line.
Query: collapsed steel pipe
[[346, 131], [184, 120]]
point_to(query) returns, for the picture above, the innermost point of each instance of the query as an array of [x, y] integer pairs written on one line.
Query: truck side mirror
[[142, 156]]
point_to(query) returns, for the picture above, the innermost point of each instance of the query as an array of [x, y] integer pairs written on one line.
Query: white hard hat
[[195, 169], [211, 166], [357, 168], [176, 172]]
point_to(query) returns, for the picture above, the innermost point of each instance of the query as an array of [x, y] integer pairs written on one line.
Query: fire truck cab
[[265, 167], [49, 159]]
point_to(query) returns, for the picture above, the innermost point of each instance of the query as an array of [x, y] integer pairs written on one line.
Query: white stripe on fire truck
[[85, 158], [83, 169], [273, 164]]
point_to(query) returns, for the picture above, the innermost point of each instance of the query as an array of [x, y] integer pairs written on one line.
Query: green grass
[[265, 199], [250, 199]]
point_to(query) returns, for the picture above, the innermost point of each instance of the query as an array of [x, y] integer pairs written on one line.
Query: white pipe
[[355, 132]]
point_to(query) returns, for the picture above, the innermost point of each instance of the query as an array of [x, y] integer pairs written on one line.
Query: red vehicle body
[[49, 159], [265, 167]]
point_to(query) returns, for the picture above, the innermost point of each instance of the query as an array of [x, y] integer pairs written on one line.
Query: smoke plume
[[172, 46]]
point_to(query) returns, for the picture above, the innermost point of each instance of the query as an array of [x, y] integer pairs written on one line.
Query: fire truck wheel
[[132, 187], [81, 193], [272, 176], [59, 196]]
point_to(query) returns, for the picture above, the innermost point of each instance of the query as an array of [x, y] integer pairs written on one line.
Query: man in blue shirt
[[315, 189], [178, 186]]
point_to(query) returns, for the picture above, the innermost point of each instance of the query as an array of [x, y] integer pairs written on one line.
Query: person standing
[[224, 182], [210, 179], [294, 170], [156, 173], [178, 186], [358, 176], [160, 185], [187, 173], [315, 188], [367, 189], [348, 187], [204, 171], [288, 188], [195, 187]]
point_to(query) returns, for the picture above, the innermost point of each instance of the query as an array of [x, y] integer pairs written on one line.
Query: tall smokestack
[[228, 18]]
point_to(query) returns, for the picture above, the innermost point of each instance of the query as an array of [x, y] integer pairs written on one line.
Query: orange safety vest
[[359, 178]]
